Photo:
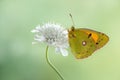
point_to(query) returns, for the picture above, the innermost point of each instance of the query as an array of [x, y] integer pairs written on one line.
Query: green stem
[[51, 65]]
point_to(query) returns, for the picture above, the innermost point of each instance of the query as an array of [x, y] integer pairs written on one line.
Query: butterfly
[[83, 42]]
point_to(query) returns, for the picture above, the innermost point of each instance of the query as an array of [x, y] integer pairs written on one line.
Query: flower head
[[54, 35]]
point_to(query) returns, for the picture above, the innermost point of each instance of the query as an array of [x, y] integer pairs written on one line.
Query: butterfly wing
[[99, 38], [81, 44]]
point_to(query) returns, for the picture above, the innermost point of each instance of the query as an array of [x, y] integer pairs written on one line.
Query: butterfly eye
[[72, 36], [84, 43]]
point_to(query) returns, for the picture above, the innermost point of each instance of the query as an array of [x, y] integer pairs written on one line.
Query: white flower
[[54, 35]]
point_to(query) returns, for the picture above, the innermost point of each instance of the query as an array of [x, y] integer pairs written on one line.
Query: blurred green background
[[20, 60]]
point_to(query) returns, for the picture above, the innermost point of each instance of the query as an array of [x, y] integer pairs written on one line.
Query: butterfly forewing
[[81, 44], [100, 38]]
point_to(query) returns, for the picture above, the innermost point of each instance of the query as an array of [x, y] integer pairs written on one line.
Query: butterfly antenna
[[72, 19]]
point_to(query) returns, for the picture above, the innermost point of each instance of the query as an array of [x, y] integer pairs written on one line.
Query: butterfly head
[[71, 32]]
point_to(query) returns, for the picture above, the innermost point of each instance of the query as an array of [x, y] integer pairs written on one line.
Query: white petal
[[57, 50], [63, 52], [40, 38], [34, 31], [38, 27], [65, 32], [34, 43]]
